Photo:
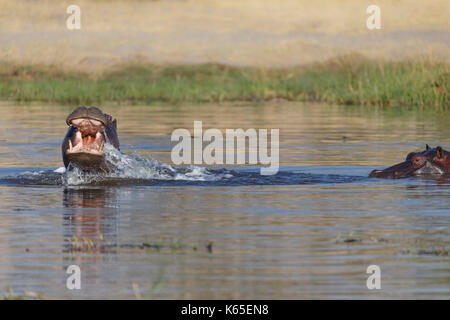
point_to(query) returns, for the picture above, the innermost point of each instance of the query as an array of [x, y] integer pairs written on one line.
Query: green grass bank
[[346, 80]]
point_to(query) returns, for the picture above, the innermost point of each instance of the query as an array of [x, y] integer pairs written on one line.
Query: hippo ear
[[439, 152], [427, 147]]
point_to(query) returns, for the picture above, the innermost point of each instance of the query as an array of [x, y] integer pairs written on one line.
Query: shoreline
[[346, 80]]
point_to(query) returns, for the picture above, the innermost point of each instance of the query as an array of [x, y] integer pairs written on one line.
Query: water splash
[[136, 167], [41, 177]]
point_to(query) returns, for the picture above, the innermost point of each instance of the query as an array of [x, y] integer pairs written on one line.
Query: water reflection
[[90, 223]]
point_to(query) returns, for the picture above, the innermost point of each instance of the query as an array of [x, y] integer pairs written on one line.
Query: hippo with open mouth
[[431, 161], [89, 130]]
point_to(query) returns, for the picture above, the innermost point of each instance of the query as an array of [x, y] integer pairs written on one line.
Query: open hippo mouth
[[88, 137], [89, 130], [434, 161]]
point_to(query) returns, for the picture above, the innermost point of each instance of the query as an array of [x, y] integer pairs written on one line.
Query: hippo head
[[89, 129], [88, 137], [431, 161]]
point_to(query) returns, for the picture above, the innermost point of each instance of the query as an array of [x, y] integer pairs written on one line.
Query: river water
[[226, 232]]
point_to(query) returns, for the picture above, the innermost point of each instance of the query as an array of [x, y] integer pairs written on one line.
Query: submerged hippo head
[[428, 162], [89, 130]]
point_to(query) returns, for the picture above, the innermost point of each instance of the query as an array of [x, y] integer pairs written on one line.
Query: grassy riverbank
[[347, 80]]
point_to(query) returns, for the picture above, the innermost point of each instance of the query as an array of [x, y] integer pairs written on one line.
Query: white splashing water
[[60, 170], [137, 167]]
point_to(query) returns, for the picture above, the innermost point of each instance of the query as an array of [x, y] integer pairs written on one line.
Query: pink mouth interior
[[88, 138]]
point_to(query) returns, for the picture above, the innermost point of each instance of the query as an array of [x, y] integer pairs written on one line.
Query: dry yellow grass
[[252, 32]]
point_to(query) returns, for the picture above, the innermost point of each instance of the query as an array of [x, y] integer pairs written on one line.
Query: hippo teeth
[[90, 147]]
